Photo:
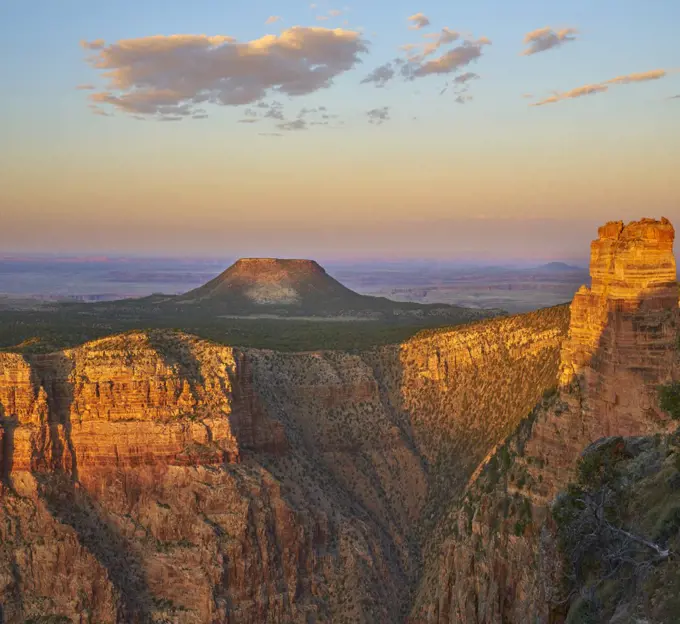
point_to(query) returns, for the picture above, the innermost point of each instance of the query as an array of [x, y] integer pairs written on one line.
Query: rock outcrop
[[632, 268], [154, 476], [157, 477], [496, 557]]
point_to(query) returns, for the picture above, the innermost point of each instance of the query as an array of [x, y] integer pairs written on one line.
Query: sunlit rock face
[[157, 477], [497, 558], [153, 476], [633, 270]]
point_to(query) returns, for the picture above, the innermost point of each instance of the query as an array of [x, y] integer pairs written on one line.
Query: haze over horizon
[[396, 130]]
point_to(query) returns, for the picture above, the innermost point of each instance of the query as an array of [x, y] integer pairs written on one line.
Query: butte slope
[[289, 288]]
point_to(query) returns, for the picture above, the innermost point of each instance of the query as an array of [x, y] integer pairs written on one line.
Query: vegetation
[[619, 532], [69, 325], [669, 399]]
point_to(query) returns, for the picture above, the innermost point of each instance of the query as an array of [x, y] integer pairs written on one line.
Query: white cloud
[[150, 74]]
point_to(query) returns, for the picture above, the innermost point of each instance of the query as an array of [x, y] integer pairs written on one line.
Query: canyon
[[153, 476]]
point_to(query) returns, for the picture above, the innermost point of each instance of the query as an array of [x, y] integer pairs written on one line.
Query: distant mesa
[[272, 281], [293, 287]]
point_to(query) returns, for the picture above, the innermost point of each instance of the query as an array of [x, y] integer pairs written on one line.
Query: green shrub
[[669, 399]]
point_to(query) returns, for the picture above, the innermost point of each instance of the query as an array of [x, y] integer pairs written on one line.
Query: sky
[[385, 128]]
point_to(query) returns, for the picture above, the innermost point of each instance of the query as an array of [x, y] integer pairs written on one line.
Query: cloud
[[248, 120], [297, 124], [274, 113], [272, 19], [654, 74], [445, 37], [593, 89], [381, 75], [97, 44], [450, 61], [86, 87], [419, 65], [378, 116], [462, 99], [466, 77], [418, 21], [274, 110], [573, 93], [335, 12], [184, 71], [674, 97], [274, 134], [543, 39]]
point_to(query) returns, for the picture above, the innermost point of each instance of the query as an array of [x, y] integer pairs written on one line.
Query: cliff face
[[157, 477], [496, 557]]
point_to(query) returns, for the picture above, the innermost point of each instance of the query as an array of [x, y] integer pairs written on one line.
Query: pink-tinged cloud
[[172, 75], [451, 61], [573, 93], [543, 39], [96, 44], [593, 89], [445, 37], [272, 19], [419, 21], [420, 65], [654, 74]]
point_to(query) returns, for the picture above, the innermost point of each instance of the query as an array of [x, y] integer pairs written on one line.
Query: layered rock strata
[[157, 477], [495, 558]]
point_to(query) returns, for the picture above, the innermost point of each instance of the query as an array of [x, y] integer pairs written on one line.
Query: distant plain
[[52, 303]]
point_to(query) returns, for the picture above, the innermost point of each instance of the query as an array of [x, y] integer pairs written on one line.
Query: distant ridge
[[559, 266]]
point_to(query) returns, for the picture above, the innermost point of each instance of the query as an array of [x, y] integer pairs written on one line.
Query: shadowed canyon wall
[[157, 477]]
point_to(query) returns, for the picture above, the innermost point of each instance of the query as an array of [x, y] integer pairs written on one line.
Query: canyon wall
[[156, 477], [495, 557]]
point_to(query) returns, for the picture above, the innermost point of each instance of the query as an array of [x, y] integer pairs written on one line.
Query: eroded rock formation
[[158, 477], [495, 557]]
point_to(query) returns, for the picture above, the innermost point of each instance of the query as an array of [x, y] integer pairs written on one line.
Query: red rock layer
[[632, 268], [156, 477], [503, 563]]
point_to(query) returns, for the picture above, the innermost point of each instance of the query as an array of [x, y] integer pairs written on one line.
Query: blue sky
[[106, 180]]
